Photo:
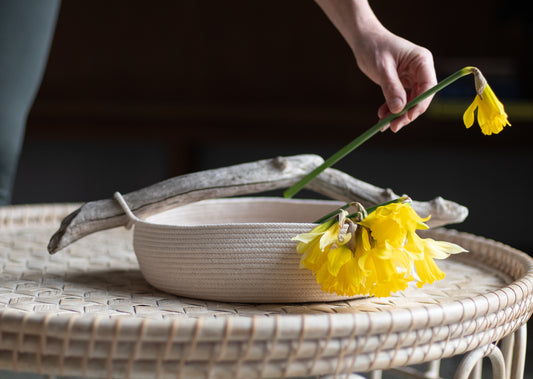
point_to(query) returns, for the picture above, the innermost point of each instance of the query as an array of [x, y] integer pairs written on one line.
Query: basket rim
[[247, 199]]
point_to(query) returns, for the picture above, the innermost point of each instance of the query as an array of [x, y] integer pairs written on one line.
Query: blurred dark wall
[[136, 93]]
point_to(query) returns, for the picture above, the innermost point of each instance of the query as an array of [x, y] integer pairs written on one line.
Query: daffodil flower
[[375, 256], [313, 244], [491, 115], [425, 252], [392, 223], [327, 250]]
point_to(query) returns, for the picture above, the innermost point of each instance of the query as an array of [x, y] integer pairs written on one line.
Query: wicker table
[[87, 311]]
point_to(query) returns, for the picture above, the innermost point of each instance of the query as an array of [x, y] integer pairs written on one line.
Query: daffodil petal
[[427, 271], [440, 249], [306, 237], [468, 116], [313, 257], [338, 258], [330, 236]]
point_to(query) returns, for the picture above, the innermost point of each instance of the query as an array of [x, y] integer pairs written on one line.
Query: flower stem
[[290, 192], [331, 214], [368, 210], [401, 199]]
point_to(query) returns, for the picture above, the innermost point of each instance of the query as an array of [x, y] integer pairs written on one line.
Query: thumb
[[393, 90]]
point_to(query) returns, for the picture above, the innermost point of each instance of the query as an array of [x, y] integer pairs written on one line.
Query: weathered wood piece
[[247, 178], [235, 180]]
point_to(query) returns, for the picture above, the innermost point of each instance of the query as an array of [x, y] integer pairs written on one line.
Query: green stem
[[331, 214], [290, 192], [368, 210], [397, 200]]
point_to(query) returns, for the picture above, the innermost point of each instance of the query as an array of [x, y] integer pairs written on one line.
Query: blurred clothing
[[26, 32]]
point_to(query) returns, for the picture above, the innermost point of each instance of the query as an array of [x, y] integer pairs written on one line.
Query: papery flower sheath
[[491, 115]]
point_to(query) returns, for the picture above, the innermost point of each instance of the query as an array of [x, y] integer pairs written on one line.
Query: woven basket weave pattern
[[88, 311]]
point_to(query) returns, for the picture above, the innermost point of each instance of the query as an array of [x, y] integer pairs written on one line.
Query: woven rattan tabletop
[[88, 311]]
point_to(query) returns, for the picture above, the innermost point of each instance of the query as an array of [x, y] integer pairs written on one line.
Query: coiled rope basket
[[249, 258]]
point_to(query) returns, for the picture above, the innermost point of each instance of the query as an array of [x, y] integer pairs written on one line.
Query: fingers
[[425, 78], [413, 113], [383, 112], [402, 120], [393, 89], [418, 75], [398, 123]]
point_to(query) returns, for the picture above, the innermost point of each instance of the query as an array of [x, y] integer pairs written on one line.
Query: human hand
[[402, 69]]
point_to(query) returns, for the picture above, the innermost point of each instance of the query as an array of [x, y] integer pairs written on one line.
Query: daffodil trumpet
[[490, 114], [372, 253]]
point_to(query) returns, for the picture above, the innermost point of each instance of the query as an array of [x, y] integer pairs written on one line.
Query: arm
[[402, 69]]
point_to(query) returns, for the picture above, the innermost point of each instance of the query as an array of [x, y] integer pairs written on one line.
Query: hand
[[402, 69]]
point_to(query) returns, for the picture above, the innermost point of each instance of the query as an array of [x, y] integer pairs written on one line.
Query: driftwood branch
[[235, 180], [247, 178]]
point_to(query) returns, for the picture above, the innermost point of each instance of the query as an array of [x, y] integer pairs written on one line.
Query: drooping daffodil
[[491, 115], [375, 254]]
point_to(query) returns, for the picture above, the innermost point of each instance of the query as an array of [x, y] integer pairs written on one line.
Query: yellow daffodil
[[376, 256], [382, 275], [392, 223], [426, 251], [339, 274], [313, 244], [491, 115], [327, 250], [346, 277]]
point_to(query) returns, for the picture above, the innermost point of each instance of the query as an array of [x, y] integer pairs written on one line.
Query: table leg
[[471, 359], [519, 353]]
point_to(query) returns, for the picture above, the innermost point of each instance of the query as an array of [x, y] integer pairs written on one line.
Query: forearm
[[354, 19]]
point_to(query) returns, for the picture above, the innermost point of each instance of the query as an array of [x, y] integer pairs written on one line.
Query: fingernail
[[397, 127], [396, 105]]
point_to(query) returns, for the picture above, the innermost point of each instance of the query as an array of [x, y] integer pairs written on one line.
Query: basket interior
[[246, 210]]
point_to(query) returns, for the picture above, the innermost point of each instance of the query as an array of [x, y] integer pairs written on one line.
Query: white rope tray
[[89, 312], [232, 250]]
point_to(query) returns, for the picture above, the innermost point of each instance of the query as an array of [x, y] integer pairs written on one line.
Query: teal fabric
[[26, 31]]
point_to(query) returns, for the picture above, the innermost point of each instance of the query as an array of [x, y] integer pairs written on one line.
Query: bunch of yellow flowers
[[374, 254]]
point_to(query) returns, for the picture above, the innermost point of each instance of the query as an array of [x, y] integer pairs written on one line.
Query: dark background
[[134, 94]]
